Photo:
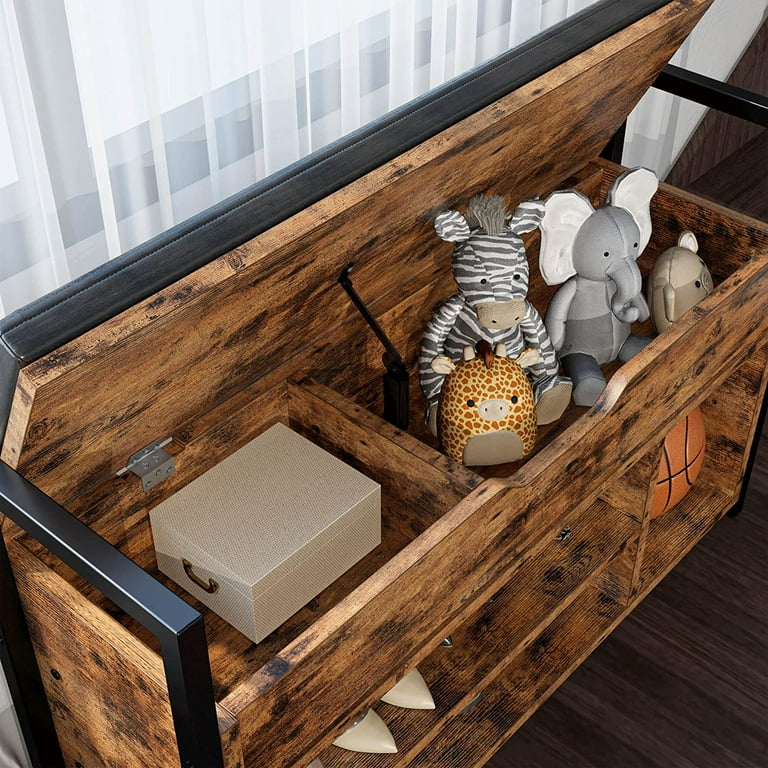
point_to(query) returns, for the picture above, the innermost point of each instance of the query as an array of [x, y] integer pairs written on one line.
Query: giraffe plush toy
[[487, 413], [491, 271]]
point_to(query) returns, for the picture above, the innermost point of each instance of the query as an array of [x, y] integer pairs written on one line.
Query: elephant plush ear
[[452, 226], [633, 191], [564, 213]]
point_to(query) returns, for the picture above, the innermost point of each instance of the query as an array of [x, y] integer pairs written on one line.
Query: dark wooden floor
[[683, 681]]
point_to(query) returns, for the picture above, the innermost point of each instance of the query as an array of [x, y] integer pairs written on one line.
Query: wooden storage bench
[[526, 566]]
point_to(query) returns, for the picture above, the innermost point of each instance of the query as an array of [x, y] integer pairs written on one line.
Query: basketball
[[681, 460]]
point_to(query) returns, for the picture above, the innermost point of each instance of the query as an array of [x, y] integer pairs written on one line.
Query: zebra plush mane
[[488, 212]]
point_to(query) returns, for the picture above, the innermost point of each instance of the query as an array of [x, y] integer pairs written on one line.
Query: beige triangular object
[[368, 735], [411, 692]]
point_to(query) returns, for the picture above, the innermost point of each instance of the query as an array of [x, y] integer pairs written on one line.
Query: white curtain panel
[[121, 118], [660, 126]]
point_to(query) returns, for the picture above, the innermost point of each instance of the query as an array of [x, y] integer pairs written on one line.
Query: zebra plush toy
[[491, 271]]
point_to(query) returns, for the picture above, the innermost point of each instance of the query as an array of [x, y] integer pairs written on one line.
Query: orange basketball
[[680, 463]]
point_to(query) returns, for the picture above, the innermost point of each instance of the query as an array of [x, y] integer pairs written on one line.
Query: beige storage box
[[260, 534]]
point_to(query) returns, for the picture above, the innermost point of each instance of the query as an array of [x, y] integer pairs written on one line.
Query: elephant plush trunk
[[627, 303]]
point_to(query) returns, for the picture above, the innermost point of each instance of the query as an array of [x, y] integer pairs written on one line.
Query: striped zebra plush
[[491, 271]]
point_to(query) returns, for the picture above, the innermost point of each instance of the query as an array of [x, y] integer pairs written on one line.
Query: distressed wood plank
[[438, 576], [106, 691], [551, 579], [535, 673]]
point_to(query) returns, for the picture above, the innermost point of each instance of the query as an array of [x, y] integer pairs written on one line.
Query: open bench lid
[[272, 308]]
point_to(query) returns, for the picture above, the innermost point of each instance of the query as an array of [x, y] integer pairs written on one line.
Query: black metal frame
[[753, 108], [178, 627], [709, 92], [395, 381]]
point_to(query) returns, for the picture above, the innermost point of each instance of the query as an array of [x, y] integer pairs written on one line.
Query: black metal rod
[[25, 683], [188, 674], [712, 93], [396, 382], [739, 505], [614, 149], [346, 284], [177, 625]]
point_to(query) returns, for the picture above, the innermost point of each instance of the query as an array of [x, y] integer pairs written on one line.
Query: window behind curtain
[[120, 119]]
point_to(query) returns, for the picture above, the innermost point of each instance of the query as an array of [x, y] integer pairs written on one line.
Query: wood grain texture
[[532, 676], [106, 692], [725, 182], [690, 658], [439, 579], [483, 647], [207, 361], [200, 341], [442, 549]]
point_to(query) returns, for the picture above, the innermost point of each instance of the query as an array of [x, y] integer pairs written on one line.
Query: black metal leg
[[188, 673], [739, 505], [396, 383], [21, 671], [614, 149]]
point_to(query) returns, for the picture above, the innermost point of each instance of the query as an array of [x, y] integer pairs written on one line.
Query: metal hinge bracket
[[152, 464]]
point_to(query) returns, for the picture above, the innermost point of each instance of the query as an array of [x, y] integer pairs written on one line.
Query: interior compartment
[[726, 242], [417, 488]]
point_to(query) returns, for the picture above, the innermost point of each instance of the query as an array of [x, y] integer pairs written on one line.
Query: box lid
[[254, 516], [78, 413]]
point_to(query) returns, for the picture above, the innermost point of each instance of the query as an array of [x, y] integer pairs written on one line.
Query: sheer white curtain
[[661, 125], [121, 118]]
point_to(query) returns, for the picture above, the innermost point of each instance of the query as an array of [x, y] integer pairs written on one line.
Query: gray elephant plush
[[593, 252]]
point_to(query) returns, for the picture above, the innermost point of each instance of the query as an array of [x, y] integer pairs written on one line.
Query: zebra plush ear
[[452, 226], [527, 216]]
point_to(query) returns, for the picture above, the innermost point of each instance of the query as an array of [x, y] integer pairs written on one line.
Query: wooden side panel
[[86, 407], [106, 691]]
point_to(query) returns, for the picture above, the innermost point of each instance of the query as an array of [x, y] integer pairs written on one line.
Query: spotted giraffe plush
[[491, 271], [487, 414]]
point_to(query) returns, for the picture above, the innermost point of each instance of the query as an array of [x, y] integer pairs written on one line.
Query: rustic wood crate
[[218, 357]]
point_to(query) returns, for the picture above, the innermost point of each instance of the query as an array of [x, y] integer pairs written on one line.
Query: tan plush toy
[[679, 279], [487, 413]]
